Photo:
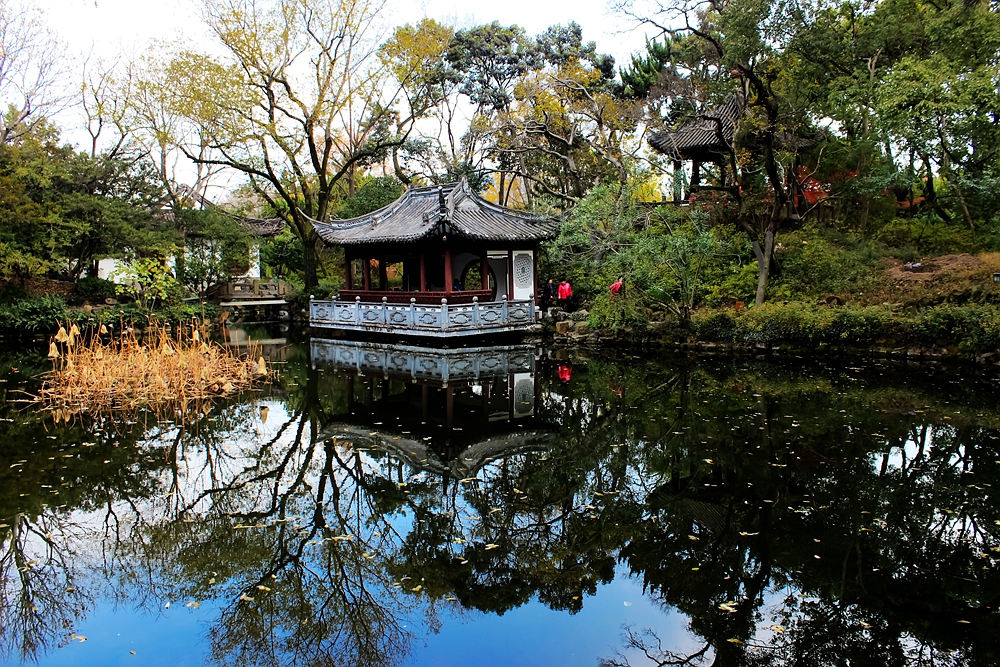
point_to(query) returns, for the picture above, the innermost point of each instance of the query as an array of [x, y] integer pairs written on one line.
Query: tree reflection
[[801, 516], [793, 531]]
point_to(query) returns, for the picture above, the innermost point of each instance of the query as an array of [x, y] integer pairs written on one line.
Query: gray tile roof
[[702, 134], [433, 211], [266, 227]]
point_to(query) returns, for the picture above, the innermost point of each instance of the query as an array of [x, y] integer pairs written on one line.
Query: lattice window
[[522, 270]]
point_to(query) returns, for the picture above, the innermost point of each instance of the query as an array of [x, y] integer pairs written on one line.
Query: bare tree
[[296, 103], [33, 70]]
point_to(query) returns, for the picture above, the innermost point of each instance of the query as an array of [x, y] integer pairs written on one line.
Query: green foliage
[[371, 196], [217, 248], [94, 290], [32, 316], [715, 326], [815, 262], [644, 73], [281, 255], [624, 311], [147, 280], [62, 209], [663, 254], [967, 328], [973, 328], [928, 234], [807, 324]]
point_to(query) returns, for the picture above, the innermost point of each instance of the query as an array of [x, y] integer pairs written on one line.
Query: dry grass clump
[[169, 375]]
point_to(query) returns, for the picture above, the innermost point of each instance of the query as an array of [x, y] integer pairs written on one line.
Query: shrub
[[94, 290], [33, 315], [798, 323], [973, 328], [716, 327], [623, 311]]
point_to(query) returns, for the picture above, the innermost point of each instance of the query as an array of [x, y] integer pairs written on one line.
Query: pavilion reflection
[[449, 412]]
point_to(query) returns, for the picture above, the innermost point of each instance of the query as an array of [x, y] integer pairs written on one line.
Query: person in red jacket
[[616, 287], [565, 294]]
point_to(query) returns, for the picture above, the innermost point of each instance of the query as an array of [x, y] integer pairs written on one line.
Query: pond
[[512, 505]]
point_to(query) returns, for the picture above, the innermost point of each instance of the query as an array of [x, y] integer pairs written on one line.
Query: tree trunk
[[309, 264], [764, 265]]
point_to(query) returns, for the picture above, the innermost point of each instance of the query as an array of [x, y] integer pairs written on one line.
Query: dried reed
[[170, 375]]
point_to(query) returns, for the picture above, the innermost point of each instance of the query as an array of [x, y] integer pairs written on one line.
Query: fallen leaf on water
[[734, 641], [263, 414], [492, 546], [966, 622], [263, 588], [131, 652], [627, 604], [192, 604], [246, 598]]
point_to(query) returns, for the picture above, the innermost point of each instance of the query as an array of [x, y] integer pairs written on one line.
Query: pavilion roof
[[701, 136], [262, 227], [434, 211], [265, 227]]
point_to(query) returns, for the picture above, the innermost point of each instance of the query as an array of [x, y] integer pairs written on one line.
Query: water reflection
[[792, 513], [449, 412]]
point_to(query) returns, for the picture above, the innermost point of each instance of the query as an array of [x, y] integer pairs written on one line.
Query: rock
[[87, 308], [562, 327], [111, 302], [582, 328], [579, 316]]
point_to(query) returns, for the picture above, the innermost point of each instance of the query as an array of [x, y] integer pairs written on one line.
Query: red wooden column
[[366, 272], [447, 270], [484, 269], [423, 271]]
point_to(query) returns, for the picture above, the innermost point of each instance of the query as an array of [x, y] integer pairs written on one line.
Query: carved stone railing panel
[[419, 363], [417, 319]]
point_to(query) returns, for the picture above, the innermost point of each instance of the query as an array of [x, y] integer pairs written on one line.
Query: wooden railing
[[419, 319], [397, 296]]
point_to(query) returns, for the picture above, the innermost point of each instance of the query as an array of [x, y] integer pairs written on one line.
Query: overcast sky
[[108, 25], [105, 28]]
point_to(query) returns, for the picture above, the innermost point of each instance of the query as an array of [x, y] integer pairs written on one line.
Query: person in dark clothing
[[548, 294]]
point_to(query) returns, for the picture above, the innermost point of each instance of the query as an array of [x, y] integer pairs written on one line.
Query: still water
[[512, 506]]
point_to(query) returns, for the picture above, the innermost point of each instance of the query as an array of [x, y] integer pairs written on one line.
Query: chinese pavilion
[[709, 138], [439, 261]]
